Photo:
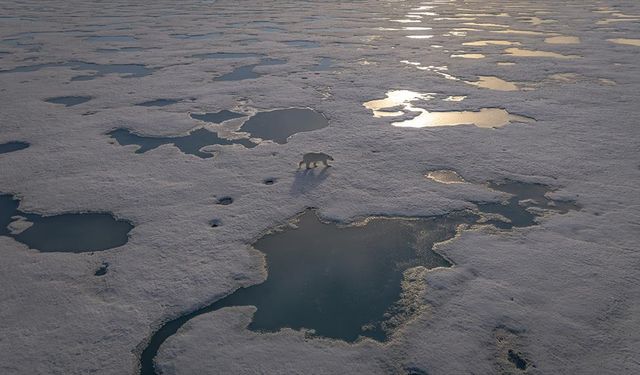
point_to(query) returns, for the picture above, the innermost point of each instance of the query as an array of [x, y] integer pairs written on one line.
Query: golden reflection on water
[[484, 118], [518, 32], [624, 41], [395, 98], [485, 24], [562, 40], [617, 16], [483, 43], [469, 56], [457, 98], [485, 82], [519, 52], [440, 70], [494, 83], [407, 21], [454, 19], [425, 13], [614, 20], [565, 77], [419, 36], [575, 78], [604, 10], [400, 102], [607, 82], [482, 15], [536, 21], [445, 176]]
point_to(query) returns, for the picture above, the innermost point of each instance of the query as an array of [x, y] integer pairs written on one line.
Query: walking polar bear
[[313, 158]]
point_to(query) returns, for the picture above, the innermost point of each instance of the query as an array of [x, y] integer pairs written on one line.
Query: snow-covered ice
[[563, 294]]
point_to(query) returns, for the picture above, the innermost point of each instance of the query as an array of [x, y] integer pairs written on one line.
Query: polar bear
[[314, 158]]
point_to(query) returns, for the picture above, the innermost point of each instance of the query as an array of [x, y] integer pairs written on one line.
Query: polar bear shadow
[[308, 179]]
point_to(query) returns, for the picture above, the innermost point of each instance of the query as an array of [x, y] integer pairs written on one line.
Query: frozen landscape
[[299, 187]]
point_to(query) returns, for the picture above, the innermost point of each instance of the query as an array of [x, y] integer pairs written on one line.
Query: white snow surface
[[568, 289]]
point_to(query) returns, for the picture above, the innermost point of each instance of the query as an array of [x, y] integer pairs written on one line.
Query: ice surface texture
[[563, 292]]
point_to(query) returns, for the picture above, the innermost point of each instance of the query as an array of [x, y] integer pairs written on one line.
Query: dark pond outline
[[159, 336], [169, 327], [217, 117], [244, 72], [13, 146], [325, 64], [160, 102], [100, 70], [39, 221], [520, 216], [126, 137], [69, 100], [259, 130]]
